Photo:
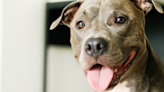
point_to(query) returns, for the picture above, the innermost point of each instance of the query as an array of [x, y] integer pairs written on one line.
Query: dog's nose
[[95, 47]]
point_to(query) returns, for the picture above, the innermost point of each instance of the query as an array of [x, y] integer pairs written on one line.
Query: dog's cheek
[[134, 36], [76, 51], [75, 44]]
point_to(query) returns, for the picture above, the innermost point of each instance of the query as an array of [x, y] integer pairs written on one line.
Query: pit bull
[[108, 40]]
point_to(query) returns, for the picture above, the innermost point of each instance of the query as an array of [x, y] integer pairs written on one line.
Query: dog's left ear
[[147, 5], [67, 14]]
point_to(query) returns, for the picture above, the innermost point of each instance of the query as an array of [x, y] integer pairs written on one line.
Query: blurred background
[[35, 59]]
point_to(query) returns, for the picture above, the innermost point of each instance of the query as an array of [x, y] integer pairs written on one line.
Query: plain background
[[23, 45]]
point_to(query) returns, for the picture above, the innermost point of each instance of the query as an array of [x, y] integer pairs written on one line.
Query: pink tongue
[[100, 77]]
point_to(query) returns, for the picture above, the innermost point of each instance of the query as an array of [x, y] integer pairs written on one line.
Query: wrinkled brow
[[91, 12]]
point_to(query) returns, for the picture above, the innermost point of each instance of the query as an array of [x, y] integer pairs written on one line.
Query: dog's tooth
[[115, 70]]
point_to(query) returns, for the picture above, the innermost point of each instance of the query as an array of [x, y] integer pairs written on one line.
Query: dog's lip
[[119, 67], [127, 62]]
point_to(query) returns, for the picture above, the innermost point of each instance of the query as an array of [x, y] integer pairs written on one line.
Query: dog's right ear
[[67, 14], [147, 5]]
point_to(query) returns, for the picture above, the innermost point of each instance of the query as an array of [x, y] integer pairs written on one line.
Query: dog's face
[[121, 25], [106, 34]]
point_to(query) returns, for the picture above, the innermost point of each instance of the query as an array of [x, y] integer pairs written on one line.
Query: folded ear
[[158, 7], [147, 5], [67, 14]]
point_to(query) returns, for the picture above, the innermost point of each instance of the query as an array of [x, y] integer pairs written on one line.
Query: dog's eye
[[80, 24], [120, 20]]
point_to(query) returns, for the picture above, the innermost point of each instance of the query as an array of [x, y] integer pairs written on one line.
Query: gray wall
[[23, 45]]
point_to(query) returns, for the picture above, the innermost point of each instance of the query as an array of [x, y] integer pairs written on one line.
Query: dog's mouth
[[103, 77]]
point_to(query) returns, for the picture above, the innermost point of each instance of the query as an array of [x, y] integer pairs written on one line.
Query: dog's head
[[107, 37]]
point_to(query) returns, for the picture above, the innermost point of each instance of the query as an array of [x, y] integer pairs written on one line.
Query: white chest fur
[[122, 87]]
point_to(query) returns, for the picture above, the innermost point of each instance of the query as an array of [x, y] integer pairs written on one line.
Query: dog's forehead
[[105, 3], [92, 8]]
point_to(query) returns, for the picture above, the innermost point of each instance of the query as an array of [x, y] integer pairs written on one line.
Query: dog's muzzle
[[101, 76]]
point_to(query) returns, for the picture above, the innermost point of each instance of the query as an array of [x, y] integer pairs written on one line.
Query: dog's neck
[[154, 70]]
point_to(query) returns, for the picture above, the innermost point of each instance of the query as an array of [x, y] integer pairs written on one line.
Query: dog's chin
[[118, 71]]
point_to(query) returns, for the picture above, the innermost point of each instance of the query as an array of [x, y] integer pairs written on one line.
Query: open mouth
[[103, 77]]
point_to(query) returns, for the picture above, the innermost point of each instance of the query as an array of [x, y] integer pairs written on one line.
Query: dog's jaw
[[118, 70]]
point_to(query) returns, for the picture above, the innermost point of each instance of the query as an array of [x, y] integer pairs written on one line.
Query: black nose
[[95, 47]]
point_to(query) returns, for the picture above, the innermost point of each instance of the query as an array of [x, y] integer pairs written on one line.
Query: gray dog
[[108, 40]]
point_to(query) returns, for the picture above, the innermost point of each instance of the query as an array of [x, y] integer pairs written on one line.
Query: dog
[[108, 40]]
